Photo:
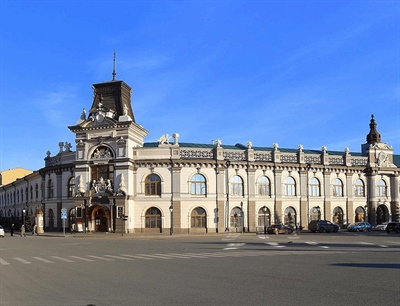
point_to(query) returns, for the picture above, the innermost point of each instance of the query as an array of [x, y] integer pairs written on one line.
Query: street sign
[[63, 210], [64, 216]]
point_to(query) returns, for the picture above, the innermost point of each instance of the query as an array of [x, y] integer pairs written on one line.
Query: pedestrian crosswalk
[[89, 258], [145, 257]]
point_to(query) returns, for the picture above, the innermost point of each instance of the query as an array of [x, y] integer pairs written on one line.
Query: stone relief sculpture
[[249, 144], [102, 187], [122, 187], [80, 192], [164, 139], [175, 136], [102, 152]]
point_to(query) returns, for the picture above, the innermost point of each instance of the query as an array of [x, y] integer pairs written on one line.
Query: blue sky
[[286, 72]]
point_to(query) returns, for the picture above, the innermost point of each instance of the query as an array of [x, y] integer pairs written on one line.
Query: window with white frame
[[314, 187], [381, 189], [359, 189], [264, 186], [290, 186], [198, 185], [337, 188]]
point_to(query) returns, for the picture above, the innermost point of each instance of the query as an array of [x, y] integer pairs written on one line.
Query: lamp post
[[171, 230], [23, 220], [242, 215], [227, 164], [265, 215], [366, 213]]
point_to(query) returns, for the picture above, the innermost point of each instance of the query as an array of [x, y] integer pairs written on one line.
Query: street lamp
[[23, 219], [265, 215], [366, 213], [242, 212], [171, 230]]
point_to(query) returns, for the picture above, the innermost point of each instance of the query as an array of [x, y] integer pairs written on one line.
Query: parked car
[[278, 229], [393, 227], [381, 227], [322, 226], [1, 232], [359, 227]]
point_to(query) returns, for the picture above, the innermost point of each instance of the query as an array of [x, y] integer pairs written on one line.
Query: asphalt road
[[233, 269]]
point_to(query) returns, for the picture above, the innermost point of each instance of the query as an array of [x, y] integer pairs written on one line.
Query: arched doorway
[[290, 217], [315, 213], [236, 220], [360, 214], [337, 217], [51, 219], [99, 217], [382, 214], [198, 220], [153, 220]]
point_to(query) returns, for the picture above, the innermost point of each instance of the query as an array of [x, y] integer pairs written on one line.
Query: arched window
[[263, 217], [236, 217], [290, 186], [264, 186], [315, 187], [237, 186], [71, 187], [105, 171], [290, 217], [198, 218], [152, 185], [51, 218], [198, 185], [359, 190], [153, 218], [315, 213], [50, 188], [17, 196], [337, 216], [37, 191], [31, 192], [337, 188], [381, 189]]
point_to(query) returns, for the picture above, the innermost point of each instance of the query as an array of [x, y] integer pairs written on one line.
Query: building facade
[[114, 181]]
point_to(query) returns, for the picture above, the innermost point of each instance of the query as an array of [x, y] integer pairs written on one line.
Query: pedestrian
[[12, 229], [73, 228], [34, 230], [22, 229]]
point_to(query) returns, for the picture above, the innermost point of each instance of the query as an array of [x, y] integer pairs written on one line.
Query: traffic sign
[[63, 215]]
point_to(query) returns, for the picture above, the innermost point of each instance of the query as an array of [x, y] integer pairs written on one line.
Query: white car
[[1, 231], [381, 227]]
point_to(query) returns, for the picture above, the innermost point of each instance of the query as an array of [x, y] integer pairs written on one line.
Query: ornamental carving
[[102, 187], [102, 153]]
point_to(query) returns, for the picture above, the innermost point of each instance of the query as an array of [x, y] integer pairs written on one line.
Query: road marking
[[178, 255], [62, 259], [22, 260], [101, 258], [81, 258], [118, 257], [3, 262], [137, 256], [43, 260], [311, 242], [383, 246], [161, 256]]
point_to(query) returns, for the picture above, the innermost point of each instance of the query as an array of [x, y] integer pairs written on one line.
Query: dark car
[[359, 227], [322, 226], [393, 227], [278, 229]]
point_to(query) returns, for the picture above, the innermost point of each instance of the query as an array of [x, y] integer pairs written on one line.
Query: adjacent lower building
[[114, 181]]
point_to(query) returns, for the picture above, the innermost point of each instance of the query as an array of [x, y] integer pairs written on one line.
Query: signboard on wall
[[120, 211]]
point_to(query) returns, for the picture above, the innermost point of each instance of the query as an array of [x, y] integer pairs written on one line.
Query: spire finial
[[114, 73], [373, 136]]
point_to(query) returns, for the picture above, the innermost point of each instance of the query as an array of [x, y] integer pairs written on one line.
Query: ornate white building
[[115, 181]]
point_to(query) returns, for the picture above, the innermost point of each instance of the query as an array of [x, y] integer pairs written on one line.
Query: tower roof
[[373, 136]]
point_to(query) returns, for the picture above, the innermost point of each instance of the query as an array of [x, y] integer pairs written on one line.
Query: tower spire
[[114, 73], [373, 136]]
